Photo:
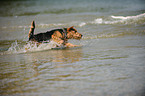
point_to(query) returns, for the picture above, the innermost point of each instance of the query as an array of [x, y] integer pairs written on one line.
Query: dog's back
[[40, 37]]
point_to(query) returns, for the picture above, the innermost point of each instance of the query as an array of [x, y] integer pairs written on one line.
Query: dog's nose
[[81, 35]]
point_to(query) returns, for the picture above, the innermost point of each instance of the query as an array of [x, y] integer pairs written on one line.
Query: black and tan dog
[[60, 36]]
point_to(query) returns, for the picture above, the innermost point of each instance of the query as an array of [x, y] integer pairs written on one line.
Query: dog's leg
[[31, 32], [71, 45], [62, 42], [57, 39]]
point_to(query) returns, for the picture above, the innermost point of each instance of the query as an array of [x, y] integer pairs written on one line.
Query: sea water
[[110, 61]]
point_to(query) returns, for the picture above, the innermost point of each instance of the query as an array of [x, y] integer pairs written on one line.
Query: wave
[[138, 19], [129, 17]]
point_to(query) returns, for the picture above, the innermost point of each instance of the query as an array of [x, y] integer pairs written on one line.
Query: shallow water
[[110, 61]]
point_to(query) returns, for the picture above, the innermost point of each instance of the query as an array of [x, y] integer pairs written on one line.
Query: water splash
[[17, 47]]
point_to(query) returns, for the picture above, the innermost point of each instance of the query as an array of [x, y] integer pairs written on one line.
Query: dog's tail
[[31, 32]]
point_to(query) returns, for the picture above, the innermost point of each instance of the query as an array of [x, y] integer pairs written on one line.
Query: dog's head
[[73, 34]]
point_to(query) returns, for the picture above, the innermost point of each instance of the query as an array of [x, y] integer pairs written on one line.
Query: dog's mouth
[[78, 38]]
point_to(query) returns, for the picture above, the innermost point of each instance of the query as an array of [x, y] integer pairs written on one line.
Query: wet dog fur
[[60, 36]]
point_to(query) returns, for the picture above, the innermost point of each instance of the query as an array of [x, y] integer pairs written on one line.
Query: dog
[[60, 36]]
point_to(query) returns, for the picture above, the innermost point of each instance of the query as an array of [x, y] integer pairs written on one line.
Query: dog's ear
[[68, 29], [72, 27]]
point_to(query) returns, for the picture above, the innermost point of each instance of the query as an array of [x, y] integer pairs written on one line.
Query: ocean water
[[110, 62]]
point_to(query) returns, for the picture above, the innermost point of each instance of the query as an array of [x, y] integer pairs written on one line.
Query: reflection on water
[[21, 71], [59, 56]]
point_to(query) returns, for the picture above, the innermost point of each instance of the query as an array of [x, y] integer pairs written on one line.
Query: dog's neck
[[67, 35], [65, 32]]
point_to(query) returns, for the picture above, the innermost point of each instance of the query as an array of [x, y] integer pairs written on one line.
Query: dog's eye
[[74, 31]]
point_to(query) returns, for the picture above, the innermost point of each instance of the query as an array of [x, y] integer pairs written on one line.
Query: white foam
[[101, 21], [98, 21], [82, 24], [128, 17], [119, 17]]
